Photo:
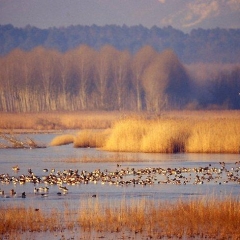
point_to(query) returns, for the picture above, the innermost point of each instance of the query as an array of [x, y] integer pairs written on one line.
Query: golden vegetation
[[87, 138], [94, 159], [62, 140], [168, 132], [197, 133], [19, 219], [200, 217], [214, 217], [58, 120]]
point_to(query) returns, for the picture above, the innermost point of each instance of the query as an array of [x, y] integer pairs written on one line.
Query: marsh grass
[[90, 138], [200, 217], [58, 120], [212, 217], [215, 136], [62, 140], [28, 219], [119, 158], [171, 135], [167, 132], [95, 119]]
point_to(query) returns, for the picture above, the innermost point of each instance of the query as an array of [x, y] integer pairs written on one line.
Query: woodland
[[200, 45], [38, 76]]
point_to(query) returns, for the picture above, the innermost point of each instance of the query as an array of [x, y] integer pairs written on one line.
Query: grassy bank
[[204, 218]]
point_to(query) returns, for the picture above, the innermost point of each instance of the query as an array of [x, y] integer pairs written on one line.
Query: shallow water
[[53, 158]]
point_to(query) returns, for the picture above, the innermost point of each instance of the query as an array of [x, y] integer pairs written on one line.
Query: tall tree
[[141, 60], [103, 66], [121, 70], [178, 88], [83, 60], [154, 82]]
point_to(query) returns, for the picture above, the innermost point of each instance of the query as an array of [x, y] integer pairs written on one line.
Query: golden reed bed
[[162, 135], [171, 132], [202, 218], [167, 132]]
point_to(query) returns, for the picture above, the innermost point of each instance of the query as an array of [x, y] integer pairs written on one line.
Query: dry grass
[[166, 134], [27, 219], [204, 218], [119, 158], [62, 140], [58, 120], [215, 136], [89, 138], [169, 132]]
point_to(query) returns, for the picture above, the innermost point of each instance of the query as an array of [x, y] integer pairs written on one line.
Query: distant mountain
[[213, 45]]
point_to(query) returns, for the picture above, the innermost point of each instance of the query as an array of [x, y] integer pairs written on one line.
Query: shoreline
[[33, 131]]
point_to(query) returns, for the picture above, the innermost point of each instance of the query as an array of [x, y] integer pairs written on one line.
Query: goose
[[12, 192], [64, 189], [15, 168]]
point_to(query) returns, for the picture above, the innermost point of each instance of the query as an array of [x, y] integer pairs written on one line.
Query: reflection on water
[[53, 158]]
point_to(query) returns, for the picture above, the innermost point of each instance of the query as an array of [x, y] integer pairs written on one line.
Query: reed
[[19, 219], [48, 121], [118, 158], [207, 217], [170, 135], [92, 139], [215, 136], [144, 135], [62, 140], [23, 219]]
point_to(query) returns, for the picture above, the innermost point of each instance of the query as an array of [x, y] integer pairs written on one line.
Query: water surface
[[55, 158]]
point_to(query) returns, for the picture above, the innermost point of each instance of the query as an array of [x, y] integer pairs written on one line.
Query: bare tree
[[155, 81], [83, 60], [46, 61], [120, 65], [166, 83], [140, 62], [103, 66]]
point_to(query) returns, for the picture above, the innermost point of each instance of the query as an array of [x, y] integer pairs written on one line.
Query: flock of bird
[[122, 177]]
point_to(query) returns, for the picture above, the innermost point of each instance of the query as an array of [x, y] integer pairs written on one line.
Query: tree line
[[107, 79], [211, 45]]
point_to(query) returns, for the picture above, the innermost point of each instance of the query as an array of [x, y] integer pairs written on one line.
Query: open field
[[202, 218]]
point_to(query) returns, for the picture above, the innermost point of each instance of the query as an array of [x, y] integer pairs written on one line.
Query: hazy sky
[[181, 14]]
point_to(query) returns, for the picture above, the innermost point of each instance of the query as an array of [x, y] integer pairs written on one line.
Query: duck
[[12, 192], [15, 168], [64, 189]]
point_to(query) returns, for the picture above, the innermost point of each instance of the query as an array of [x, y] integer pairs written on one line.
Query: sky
[[184, 15]]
